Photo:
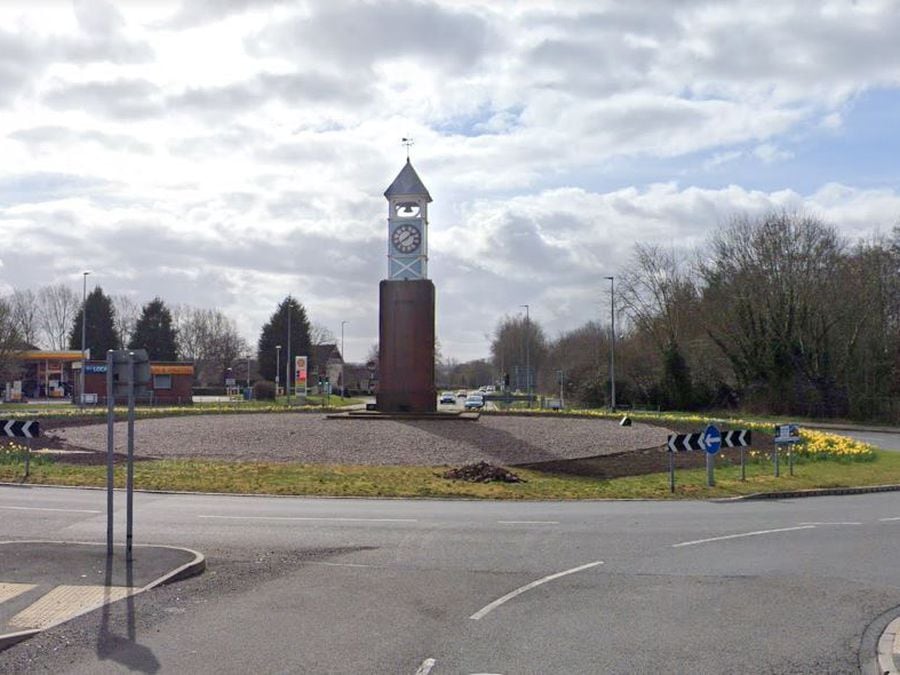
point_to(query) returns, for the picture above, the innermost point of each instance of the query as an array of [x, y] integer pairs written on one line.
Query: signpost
[[127, 374], [26, 429], [711, 440], [786, 434]]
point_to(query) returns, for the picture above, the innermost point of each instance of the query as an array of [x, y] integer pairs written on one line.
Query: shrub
[[264, 391]]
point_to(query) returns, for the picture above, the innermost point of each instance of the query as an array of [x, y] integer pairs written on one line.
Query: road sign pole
[[110, 439], [743, 466], [776, 461], [791, 458], [671, 472], [710, 470], [27, 457], [129, 480]]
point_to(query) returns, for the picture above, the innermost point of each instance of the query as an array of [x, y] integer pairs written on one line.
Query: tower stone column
[[406, 332]]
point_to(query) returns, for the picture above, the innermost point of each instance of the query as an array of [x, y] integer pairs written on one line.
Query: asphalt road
[[879, 439], [397, 586]]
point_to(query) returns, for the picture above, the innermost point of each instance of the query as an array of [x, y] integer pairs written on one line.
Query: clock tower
[[406, 313], [407, 226]]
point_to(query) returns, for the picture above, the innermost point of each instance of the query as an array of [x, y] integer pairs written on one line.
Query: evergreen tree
[[275, 332], [100, 335], [154, 332]]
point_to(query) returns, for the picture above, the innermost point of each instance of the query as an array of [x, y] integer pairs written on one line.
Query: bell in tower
[[406, 311]]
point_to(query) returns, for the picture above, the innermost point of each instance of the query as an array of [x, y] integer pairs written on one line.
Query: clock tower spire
[[408, 201]]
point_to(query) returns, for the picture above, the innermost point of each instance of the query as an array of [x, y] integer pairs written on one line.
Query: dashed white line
[[836, 523], [528, 522], [527, 587], [743, 534], [334, 564], [311, 518], [885, 520], [426, 667], [41, 508]]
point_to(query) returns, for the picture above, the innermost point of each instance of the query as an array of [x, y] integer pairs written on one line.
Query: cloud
[[359, 35], [52, 138], [123, 99]]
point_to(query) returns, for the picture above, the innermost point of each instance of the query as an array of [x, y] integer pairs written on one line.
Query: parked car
[[461, 393], [448, 397], [474, 402]]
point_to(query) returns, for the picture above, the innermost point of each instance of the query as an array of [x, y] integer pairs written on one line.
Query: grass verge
[[397, 481]]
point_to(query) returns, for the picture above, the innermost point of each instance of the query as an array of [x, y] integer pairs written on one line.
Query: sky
[[227, 153]]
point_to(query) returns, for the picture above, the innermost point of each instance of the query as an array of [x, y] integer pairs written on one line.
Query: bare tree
[[57, 307], [517, 341], [10, 343], [321, 335], [209, 339], [24, 311], [777, 286], [125, 316]]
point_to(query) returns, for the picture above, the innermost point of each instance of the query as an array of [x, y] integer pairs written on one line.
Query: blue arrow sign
[[712, 439]]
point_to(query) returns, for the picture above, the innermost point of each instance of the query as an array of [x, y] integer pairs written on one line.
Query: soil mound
[[482, 472]]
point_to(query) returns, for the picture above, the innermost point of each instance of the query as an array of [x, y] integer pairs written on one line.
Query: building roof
[[407, 182]]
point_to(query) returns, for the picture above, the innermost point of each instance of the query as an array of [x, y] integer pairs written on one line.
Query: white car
[[474, 402]]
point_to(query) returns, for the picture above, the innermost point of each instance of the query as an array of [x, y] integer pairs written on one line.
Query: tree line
[[51, 318], [777, 314]]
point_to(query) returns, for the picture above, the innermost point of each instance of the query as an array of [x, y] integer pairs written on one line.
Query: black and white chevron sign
[[736, 438], [686, 442], [20, 428]]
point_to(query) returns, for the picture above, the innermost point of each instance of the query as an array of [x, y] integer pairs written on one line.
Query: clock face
[[406, 238]]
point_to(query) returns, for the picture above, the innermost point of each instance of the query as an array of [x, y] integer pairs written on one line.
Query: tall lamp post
[[612, 343], [342, 357], [287, 362], [84, 276], [527, 353], [277, 366]]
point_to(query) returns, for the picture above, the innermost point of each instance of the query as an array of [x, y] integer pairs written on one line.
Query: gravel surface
[[310, 438]]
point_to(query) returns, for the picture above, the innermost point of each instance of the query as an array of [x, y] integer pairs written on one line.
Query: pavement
[[45, 583]]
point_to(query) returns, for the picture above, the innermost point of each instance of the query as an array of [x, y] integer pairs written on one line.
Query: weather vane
[[407, 141]]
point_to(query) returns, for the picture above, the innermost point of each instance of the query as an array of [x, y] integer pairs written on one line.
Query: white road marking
[[528, 522], [426, 667], [527, 587], [838, 523], [334, 564], [324, 519], [37, 508], [743, 534], [884, 520]]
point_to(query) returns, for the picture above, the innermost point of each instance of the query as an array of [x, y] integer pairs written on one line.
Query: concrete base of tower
[[406, 347]]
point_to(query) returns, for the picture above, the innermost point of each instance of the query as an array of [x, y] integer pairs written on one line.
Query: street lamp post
[[527, 353], [84, 276], [342, 357], [248, 371], [287, 362], [612, 343], [277, 366]]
